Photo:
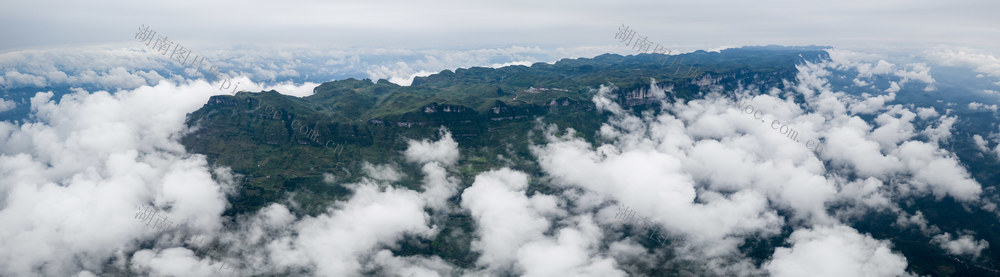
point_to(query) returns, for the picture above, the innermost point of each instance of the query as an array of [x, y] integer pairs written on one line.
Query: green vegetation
[[284, 145]]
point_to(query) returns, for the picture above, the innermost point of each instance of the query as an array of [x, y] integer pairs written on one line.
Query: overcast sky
[[444, 24]]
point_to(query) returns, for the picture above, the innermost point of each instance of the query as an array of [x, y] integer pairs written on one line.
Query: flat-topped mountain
[[284, 144]]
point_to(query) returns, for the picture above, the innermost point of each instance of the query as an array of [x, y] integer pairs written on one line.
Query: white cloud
[[662, 192], [997, 150], [943, 175], [717, 152], [400, 77], [117, 77], [895, 126], [705, 171], [511, 231], [348, 238], [175, 262], [383, 173], [925, 113], [881, 67], [976, 106], [916, 71], [868, 193], [963, 245], [835, 251], [14, 79], [334, 244], [444, 151], [499, 65], [416, 266], [981, 143], [288, 88], [505, 216], [870, 65], [6, 105], [978, 60], [942, 131], [289, 70], [893, 87], [917, 219], [436, 156], [102, 156], [871, 104], [86, 166], [849, 145], [570, 252]]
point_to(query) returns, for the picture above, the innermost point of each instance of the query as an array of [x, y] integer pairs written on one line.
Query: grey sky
[[465, 24]]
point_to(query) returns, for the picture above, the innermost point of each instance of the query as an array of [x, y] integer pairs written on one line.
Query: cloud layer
[[705, 175]]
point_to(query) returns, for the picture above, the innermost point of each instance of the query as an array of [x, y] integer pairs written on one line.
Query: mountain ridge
[[283, 144]]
